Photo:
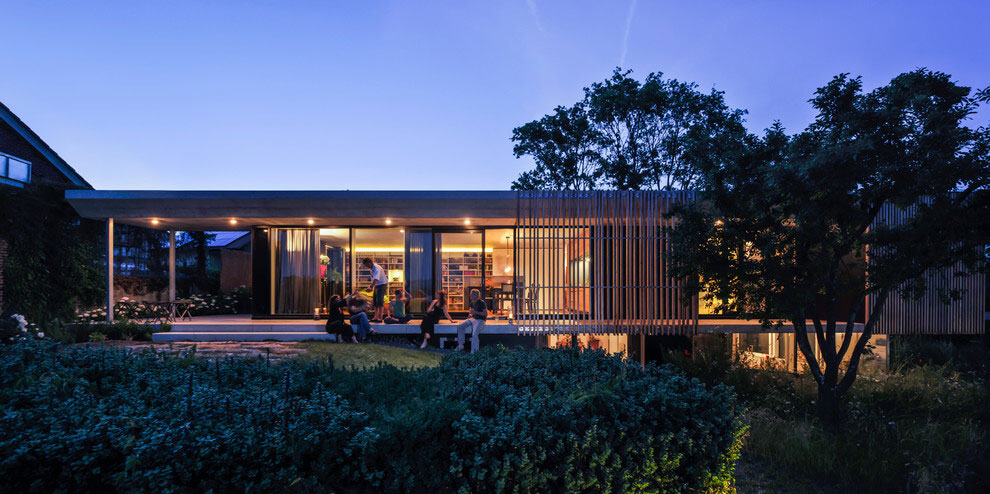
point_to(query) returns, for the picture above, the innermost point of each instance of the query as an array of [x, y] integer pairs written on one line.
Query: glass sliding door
[[296, 271], [335, 265], [462, 263], [385, 247], [419, 269], [499, 288]]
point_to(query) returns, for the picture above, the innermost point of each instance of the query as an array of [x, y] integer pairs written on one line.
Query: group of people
[[397, 312]]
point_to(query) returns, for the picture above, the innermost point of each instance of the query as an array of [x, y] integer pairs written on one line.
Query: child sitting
[[397, 308]]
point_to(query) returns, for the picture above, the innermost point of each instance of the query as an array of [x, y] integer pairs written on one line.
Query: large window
[[463, 264], [499, 285], [385, 247], [335, 263], [14, 169], [296, 270]]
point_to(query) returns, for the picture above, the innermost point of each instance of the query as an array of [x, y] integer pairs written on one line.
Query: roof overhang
[[214, 210]]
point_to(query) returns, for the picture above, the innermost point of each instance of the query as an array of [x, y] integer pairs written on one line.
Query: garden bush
[[81, 418], [914, 428], [117, 330]]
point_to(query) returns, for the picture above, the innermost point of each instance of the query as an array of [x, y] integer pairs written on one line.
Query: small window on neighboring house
[[15, 169]]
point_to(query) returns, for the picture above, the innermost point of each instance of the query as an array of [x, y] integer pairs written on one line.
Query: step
[[391, 329], [241, 336]]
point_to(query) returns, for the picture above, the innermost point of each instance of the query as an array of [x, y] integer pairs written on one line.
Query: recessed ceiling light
[[388, 222], [233, 221], [310, 221], [402, 231], [154, 221], [467, 222]]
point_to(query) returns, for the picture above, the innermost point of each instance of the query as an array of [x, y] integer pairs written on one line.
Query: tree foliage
[[623, 134], [782, 223]]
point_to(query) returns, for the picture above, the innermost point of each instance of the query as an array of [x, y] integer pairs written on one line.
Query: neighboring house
[[227, 253], [25, 159], [549, 264]]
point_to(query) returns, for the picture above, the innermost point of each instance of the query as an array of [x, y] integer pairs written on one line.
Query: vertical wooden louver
[[930, 314], [595, 262]]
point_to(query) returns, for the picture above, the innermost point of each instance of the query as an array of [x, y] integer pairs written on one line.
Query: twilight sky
[[414, 94]]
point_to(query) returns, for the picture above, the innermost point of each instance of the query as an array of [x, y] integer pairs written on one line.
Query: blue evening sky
[[417, 95]]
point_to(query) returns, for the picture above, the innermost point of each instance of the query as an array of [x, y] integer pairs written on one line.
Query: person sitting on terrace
[[359, 317], [397, 308], [476, 321], [379, 284], [437, 309], [335, 320]]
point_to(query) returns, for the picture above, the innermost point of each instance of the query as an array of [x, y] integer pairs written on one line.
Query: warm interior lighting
[[233, 221], [379, 249], [154, 221], [508, 269], [310, 221], [388, 222], [467, 222], [465, 249], [402, 231], [719, 223], [396, 276]]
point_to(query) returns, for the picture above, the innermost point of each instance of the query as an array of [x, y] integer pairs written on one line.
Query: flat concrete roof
[[213, 210]]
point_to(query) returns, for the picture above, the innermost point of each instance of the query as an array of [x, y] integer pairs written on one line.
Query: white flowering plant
[[16, 327], [238, 301]]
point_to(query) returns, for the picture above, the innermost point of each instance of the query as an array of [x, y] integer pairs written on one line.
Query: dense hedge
[[53, 264], [498, 421]]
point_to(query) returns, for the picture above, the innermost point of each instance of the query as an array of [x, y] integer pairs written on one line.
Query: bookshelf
[[462, 271], [389, 261]]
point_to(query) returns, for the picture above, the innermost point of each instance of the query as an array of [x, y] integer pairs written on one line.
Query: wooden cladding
[[930, 314], [594, 262]]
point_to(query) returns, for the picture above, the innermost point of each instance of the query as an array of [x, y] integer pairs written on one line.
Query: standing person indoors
[[437, 309], [397, 308], [335, 319], [478, 311], [358, 307], [379, 283]]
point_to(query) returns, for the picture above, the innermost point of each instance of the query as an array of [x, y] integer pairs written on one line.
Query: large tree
[[623, 134], [785, 226]]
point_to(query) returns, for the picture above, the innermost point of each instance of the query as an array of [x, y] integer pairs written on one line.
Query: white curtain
[[298, 276]]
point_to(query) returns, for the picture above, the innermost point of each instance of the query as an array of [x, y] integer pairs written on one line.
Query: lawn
[[346, 355]]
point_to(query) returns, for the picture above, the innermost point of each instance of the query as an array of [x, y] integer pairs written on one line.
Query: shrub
[[551, 421], [117, 330], [916, 428], [93, 419], [16, 327]]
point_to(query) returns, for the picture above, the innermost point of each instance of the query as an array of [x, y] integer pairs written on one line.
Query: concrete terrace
[[241, 327]]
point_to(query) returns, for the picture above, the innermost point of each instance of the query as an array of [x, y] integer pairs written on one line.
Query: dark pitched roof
[[21, 128]]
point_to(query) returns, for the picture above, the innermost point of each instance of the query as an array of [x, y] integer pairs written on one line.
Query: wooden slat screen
[[593, 262], [930, 315]]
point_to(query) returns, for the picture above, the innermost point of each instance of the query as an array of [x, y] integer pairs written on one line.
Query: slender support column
[[110, 301], [171, 272], [171, 266], [642, 349]]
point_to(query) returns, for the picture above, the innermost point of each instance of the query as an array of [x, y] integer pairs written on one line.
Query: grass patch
[[347, 355]]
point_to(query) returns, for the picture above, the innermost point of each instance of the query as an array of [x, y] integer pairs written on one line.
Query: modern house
[[550, 264]]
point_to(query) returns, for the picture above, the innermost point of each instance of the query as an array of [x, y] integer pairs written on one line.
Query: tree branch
[[801, 334], [864, 338]]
